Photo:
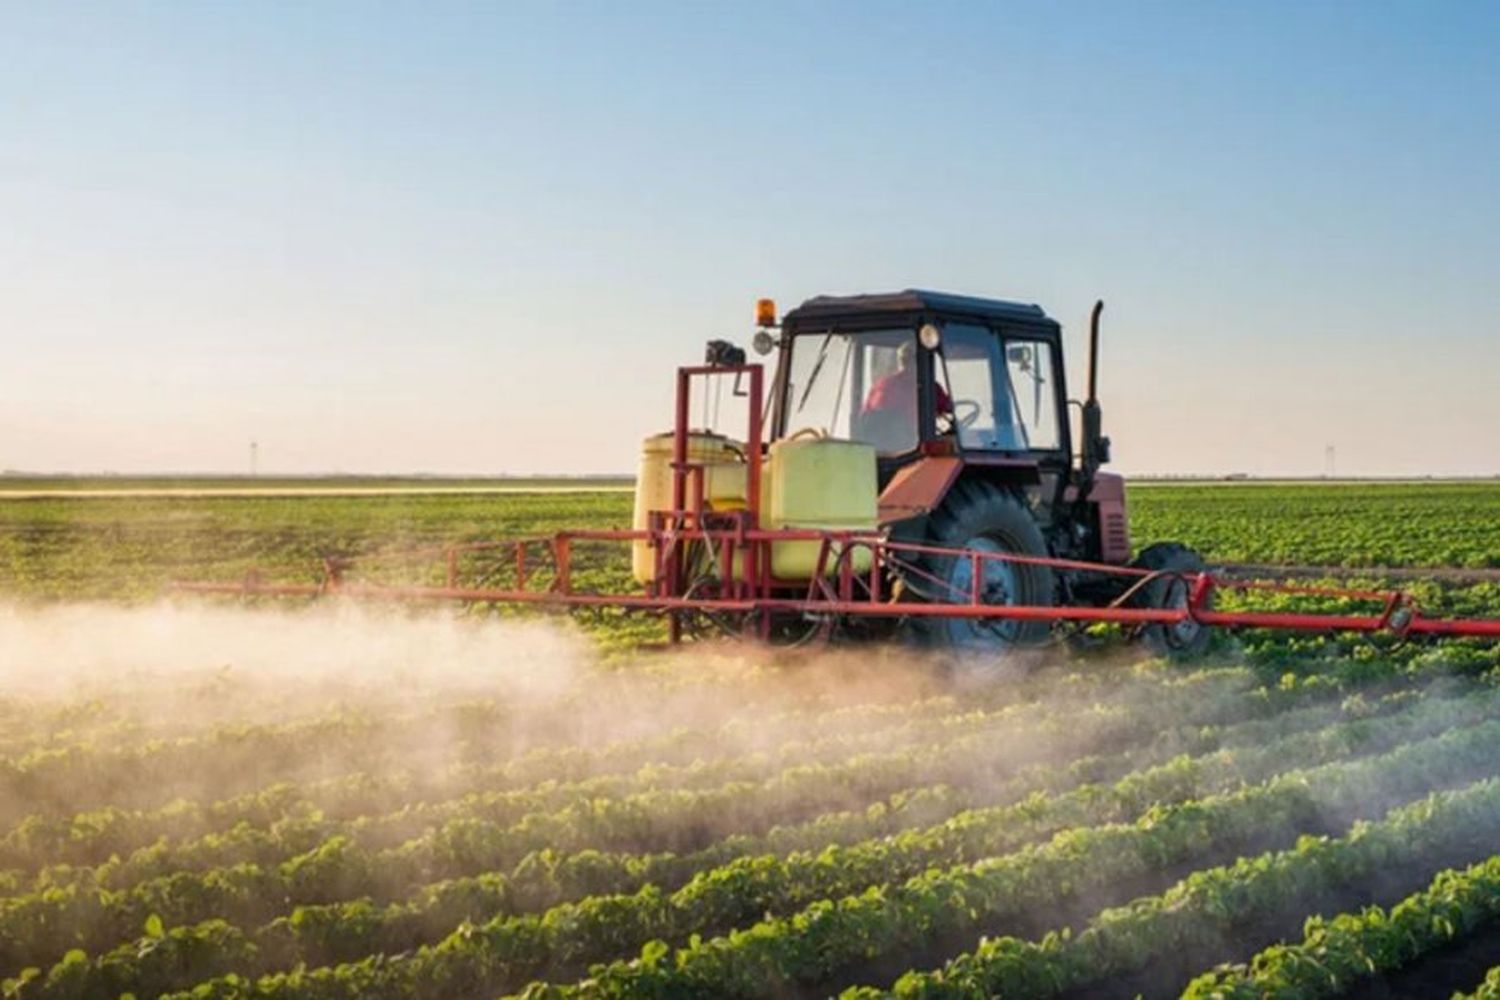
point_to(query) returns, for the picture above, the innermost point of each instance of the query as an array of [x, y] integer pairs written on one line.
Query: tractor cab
[[919, 373], [955, 394]]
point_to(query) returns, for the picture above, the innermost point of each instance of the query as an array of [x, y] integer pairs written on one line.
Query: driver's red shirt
[[898, 391]]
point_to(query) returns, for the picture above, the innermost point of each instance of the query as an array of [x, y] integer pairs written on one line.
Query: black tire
[[1188, 640], [976, 514]]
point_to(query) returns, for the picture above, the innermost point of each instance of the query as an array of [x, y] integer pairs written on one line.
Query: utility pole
[[1329, 464], [254, 458]]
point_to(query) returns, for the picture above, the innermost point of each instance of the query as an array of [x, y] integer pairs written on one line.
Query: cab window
[[983, 415], [1033, 394], [1004, 397]]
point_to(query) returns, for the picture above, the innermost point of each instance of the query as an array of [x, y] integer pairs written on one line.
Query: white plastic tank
[[724, 485]]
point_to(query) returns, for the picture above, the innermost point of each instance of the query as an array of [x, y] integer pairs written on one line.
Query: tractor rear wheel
[[1187, 639], [978, 516]]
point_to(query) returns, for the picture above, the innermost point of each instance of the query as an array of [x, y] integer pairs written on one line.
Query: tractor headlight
[[763, 342], [930, 336]]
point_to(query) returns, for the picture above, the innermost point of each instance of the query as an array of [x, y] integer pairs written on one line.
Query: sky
[[477, 238]]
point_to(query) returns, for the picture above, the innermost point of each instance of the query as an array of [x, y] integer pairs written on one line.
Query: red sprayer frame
[[543, 569]]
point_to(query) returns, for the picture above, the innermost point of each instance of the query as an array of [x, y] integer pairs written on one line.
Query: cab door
[[981, 409]]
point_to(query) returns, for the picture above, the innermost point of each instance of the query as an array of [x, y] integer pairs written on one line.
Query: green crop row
[[467, 841], [830, 937], [744, 889], [1335, 956], [118, 769], [33, 927], [1198, 913], [64, 915], [67, 780], [413, 802], [671, 820], [808, 946], [87, 838]]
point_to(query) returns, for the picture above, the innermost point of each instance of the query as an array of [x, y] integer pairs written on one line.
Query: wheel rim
[[999, 585], [1182, 634]]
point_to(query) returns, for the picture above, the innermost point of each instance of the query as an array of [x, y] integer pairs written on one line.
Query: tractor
[[964, 401]]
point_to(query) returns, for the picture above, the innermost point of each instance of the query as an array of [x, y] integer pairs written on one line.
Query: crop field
[[89, 546], [205, 800]]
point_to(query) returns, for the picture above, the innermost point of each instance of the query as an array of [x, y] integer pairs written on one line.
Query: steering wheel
[[965, 418]]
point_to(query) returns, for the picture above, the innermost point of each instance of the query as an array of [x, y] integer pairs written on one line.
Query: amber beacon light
[[765, 312]]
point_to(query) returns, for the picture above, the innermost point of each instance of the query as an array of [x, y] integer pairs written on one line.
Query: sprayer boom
[[539, 571]]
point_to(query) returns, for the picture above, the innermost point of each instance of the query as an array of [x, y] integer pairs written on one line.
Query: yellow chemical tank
[[724, 485], [818, 483]]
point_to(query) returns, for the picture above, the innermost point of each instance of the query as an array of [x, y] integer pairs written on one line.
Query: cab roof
[[824, 308]]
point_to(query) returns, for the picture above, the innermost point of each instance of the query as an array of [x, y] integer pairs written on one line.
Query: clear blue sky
[[476, 238]]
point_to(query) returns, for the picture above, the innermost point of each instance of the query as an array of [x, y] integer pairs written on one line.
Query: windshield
[[860, 387]]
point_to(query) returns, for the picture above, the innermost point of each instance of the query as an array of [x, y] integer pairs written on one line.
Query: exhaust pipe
[[1095, 450], [1094, 352]]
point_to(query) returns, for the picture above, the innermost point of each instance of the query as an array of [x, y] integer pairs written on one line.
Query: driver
[[897, 392]]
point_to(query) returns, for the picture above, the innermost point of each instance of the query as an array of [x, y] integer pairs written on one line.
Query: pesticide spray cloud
[[204, 702], [173, 667], [176, 665], [78, 648]]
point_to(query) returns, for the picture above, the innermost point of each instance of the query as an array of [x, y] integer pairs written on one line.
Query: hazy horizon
[[188, 476], [471, 238]]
